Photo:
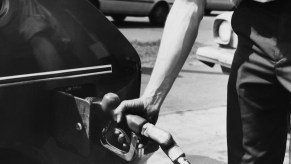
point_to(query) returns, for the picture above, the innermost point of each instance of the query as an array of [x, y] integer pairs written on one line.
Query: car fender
[[231, 41], [222, 53]]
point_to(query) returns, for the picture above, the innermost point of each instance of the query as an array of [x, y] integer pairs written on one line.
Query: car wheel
[[118, 18], [159, 14]]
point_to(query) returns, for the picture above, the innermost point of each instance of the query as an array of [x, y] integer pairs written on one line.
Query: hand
[[143, 106], [146, 107]]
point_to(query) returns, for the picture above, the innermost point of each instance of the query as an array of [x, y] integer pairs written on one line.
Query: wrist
[[153, 100]]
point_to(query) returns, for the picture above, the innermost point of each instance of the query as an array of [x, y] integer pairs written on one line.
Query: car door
[[219, 4], [126, 7]]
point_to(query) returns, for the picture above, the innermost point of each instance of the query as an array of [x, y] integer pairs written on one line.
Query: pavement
[[200, 133]]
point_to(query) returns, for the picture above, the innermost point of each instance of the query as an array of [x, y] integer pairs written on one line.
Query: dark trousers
[[259, 86]]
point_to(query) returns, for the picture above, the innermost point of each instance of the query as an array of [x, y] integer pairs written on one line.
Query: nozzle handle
[[135, 123], [110, 101], [140, 126]]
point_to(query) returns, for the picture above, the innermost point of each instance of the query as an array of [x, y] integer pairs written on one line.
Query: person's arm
[[45, 52], [180, 32]]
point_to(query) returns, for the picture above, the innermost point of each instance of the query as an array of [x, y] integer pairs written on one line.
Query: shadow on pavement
[[148, 71], [133, 24], [211, 15], [196, 159], [144, 24]]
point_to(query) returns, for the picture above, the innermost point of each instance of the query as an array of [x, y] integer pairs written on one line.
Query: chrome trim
[[55, 75]]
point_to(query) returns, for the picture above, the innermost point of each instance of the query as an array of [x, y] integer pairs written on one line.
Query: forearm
[[45, 53], [178, 38]]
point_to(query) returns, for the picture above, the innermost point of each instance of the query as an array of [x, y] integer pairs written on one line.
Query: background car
[[156, 10], [226, 40], [220, 5]]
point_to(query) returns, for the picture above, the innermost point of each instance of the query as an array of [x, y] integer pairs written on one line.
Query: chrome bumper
[[216, 55]]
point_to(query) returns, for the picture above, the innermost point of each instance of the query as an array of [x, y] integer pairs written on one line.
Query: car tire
[[118, 18], [159, 14]]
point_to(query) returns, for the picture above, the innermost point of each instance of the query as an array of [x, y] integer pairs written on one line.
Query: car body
[[58, 59], [226, 40], [220, 5]]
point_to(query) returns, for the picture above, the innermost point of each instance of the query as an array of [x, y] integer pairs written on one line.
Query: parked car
[[58, 59], [226, 40], [156, 10], [220, 5]]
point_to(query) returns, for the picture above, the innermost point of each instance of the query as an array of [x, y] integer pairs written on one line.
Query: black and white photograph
[[145, 81]]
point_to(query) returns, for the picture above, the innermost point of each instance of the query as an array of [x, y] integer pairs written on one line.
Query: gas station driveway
[[201, 134]]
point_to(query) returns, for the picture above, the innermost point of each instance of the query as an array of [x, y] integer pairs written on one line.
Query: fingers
[[135, 106], [119, 111], [140, 146]]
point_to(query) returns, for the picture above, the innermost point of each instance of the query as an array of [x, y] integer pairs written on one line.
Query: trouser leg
[[264, 109], [234, 126]]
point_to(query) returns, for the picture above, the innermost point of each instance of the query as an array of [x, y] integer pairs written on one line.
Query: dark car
[[58, 59]]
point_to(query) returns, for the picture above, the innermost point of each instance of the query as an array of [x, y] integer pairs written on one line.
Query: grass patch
[[148, 52]]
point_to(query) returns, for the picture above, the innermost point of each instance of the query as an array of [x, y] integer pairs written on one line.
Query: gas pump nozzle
[[109, 140], [141, 127]]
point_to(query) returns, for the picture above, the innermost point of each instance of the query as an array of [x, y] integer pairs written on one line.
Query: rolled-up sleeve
[[34, 18], [33, 25]]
